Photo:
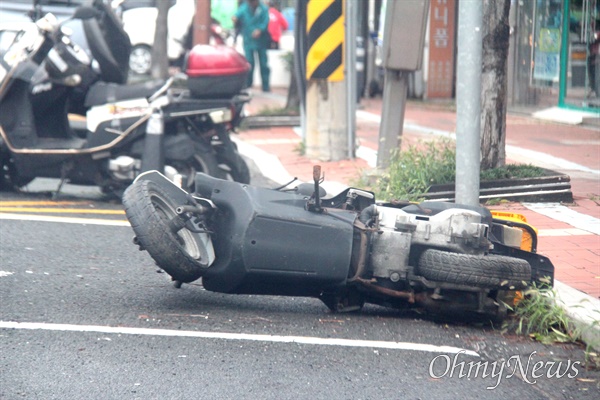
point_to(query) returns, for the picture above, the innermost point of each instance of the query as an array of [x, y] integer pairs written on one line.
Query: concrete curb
[[583, 311]]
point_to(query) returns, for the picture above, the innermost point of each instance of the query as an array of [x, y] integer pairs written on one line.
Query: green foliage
[[300, 148], [276, 111], [413, 171], [512, 171], [494, 202], [288, 60], [538, 315]]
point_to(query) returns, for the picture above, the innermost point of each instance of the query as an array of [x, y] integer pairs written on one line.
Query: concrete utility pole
[[468, 102], [202, 22], [326, 120]]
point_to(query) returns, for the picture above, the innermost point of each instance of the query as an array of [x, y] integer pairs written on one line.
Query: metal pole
[[468, 102], [392, 116], [351, 18]]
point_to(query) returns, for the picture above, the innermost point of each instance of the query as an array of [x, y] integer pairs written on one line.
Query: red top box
[[216, 71], [206, 60]]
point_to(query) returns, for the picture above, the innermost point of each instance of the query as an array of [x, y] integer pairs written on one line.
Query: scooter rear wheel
[[203, 160], [489, 271], [9, 178], [181, 254], [239, 172]]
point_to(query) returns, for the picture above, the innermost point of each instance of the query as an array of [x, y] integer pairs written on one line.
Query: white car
[[20, 11], [140, 25]]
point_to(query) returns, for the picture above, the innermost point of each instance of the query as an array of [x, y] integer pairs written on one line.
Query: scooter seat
[[102, 92]]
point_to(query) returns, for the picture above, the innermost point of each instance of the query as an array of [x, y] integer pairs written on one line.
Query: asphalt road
[[85, 315]]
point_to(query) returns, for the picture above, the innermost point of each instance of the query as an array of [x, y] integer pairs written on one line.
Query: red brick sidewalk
[[574, 150]]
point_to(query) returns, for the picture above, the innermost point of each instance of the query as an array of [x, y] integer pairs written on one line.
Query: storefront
[[554, 58]]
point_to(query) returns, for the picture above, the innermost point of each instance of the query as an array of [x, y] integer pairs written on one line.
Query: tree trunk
[[496, 32], [160, 58]]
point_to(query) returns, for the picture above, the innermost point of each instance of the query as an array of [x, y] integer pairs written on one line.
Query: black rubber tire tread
[[204, 160], [484, 271], [9, 179], [154, 234], [242, 174]]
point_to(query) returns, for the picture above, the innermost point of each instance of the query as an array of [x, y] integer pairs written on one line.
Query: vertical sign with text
[[440, 76]]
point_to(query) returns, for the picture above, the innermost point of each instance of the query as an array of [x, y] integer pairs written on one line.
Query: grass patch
[[412, 172], [538, 316], [300, 148], [496, 202], [512, 171]]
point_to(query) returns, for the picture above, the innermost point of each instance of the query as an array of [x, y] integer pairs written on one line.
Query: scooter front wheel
[[181, 253]]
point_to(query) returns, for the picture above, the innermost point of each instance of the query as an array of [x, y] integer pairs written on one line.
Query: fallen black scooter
[[447, 259]]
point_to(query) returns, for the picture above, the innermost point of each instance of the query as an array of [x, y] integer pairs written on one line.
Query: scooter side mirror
[[84, 12]]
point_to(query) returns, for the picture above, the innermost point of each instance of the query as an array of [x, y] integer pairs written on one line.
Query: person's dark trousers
[[593, 73], [263, 63]]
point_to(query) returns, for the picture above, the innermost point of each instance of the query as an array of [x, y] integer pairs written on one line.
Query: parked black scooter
[[346, 250], [128, 129], [110, 46]]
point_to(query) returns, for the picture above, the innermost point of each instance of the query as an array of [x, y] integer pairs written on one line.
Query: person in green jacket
[[253, 18]]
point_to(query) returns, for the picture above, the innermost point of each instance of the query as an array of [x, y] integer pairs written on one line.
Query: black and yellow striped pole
[[326, 126], [325, 30]]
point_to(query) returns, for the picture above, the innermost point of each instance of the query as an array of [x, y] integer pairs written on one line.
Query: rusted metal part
[[410, 296], [362, 256], [363, 252]]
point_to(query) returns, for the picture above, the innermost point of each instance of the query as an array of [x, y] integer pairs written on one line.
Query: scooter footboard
[[267, 242]]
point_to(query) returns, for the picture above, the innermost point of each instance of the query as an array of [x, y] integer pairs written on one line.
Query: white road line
[[239, 336], [67, 220]]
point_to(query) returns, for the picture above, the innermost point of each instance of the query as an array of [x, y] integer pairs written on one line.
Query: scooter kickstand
[[56, 193], [64, 172]]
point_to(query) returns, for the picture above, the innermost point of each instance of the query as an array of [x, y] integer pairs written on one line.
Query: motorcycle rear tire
[[489, 271], [239, 173], [9, 178], [204, 160], [149, 210]]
